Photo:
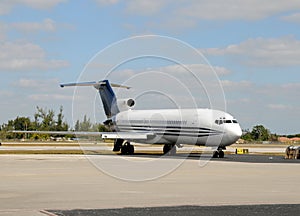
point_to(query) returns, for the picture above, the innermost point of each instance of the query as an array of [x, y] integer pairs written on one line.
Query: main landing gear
[[126, 148], [169, 149], [219, 153]]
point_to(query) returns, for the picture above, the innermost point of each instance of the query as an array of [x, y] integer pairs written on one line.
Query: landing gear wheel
[[169, 149], [215, 154], [127, 149], [218, 154], [118, 145], [130, 149], [221, 154]]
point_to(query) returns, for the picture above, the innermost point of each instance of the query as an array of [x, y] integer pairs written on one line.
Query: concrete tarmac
[[32, 183]]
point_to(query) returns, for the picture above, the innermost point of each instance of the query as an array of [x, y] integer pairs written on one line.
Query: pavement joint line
[[48, 213]]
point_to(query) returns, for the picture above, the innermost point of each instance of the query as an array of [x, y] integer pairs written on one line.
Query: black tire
[[221, 154], [127, 149], [130, 149], [124, 150], [215, 154], [167, 148], [118, 145]]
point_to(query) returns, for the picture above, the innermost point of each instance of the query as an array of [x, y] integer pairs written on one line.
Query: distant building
[[289, 140], [283, 139], [240, 141], [295, 139]]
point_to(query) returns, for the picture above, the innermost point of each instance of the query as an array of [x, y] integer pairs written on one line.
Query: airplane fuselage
[[181, 126], [162, 126]]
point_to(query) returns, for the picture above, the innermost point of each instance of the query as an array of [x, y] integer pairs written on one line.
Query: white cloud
[[23, 56], [50, 97], [285, 93], [209, 9], [37, 84], [292, 18], [291, 87], [23, 95], [196, 68], [179, 15], [6, 94], [145, 7], [283, 51], [237, 9], [138, 7], [46, 25], [188, 71], [43, 90], [3, 29], [7, 5], [107, 2], [279, 107], [176, 24], [241, 85]]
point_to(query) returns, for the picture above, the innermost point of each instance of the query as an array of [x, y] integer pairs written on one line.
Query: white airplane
[[171, 127]]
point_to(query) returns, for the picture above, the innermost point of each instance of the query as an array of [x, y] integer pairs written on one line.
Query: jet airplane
[[170, 127]]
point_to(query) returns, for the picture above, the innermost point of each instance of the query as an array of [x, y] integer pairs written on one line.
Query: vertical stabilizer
[[108, 98], [106, 92]]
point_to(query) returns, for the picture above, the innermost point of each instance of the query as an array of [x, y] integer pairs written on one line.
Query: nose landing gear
[[218, 153]]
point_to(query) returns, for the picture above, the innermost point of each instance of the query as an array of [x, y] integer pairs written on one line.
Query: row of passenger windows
[[159, 122], [224, 121]]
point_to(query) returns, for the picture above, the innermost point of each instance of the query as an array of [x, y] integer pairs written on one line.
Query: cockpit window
[[219, 122], [225, 121]]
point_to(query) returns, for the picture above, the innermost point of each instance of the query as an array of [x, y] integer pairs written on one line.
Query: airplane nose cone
[[238, 132], [235, 133]]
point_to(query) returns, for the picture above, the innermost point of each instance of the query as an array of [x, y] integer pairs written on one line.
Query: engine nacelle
[[125, 104]]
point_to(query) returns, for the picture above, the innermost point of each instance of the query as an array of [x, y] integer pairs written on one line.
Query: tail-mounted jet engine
[[125, 104]]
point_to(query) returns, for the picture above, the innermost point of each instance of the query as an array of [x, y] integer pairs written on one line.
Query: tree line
[[45, 120], [259, 133]]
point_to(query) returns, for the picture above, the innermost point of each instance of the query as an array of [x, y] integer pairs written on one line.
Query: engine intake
[[125, 104], [130, 102]]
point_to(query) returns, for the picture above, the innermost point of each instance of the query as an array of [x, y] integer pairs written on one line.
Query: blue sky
[[256, 43]]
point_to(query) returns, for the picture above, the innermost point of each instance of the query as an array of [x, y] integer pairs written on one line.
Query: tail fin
[[107, 94]]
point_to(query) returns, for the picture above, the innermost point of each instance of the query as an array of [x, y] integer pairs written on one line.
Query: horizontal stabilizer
[[93, 83]]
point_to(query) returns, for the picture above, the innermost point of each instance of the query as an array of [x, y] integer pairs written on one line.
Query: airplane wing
[[104, 135]]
